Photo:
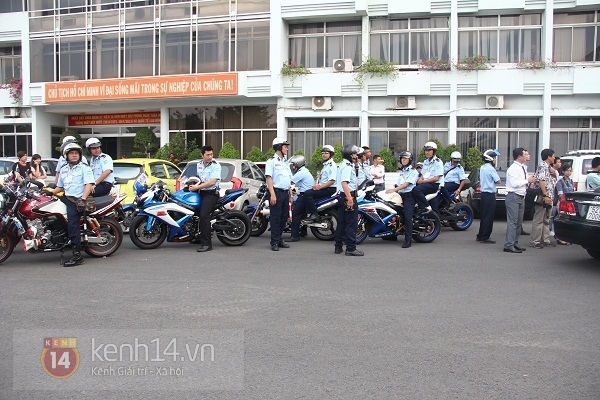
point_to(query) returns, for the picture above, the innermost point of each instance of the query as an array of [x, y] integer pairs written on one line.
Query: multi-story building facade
[[212, 70]]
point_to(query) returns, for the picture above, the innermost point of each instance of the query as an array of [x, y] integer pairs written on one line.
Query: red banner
[[136, 118]]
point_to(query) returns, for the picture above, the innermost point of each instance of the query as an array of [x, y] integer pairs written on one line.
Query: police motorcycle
[[322, 228], [40, 222], [381, 215], [175, 217], [458, 214], [126, 213]]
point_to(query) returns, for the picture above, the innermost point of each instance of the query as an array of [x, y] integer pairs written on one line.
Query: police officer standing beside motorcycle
[[76, 179], [209, 173], [303, 180], [347, 208], [407, 179], [102, 166], [325, 187], [429, 183], [279, 182]]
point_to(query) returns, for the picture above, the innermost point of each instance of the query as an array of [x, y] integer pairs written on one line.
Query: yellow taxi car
[[127, 170]]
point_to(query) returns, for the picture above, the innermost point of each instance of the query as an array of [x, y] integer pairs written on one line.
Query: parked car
[[49, 165], [245, 172], [474, 195], [581, 163], [127, 170], [578, 221]]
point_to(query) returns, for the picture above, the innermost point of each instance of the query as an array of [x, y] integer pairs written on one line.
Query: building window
[[175, 44], [251, 50], [568, 134], [8, 6], [401, 133], [576, 37], [504, 134], [502, 38], [105, 56], [14, 138], [10, 63], [316, 45], [309, 134], [72, 58], [409, 41], [244, 127], [43, 53], [139, 53]]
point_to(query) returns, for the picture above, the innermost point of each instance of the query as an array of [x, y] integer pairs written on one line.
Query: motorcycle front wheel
[[363, 229], [110, 230], [426, 227], [144, 239], [328, 233], [259, 224], [464, 217], [6, 247], [238, 230]]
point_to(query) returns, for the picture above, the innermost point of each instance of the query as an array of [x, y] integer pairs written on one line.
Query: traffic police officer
[[429, 182], [209, 172], [488, 178], [303, 180], [454, 177], [407, 179], [279, 182], [61, 160], [347, 208], [76, 180], [325, 187], [102, 166]]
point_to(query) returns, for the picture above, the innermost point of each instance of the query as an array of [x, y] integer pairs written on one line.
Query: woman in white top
[[36, 171]]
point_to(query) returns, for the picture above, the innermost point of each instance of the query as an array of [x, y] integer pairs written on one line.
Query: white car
[[581, 163], [49, 165]]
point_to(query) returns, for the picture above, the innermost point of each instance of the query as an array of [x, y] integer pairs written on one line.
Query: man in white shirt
[[516, 188]]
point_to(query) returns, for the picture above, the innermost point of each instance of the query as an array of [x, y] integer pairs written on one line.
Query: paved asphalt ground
[[450, 320]]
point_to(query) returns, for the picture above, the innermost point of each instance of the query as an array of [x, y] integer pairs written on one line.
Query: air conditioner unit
[[11, 112], [494, 101], [406, 102], [343, 65], [322, 103]]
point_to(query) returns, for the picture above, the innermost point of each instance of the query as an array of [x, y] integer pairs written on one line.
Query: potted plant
[[374, 67], [475, 63], [293, 70], [535, 64], [433, 64]]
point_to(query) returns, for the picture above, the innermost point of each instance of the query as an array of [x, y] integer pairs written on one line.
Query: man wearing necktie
[[516, 188]]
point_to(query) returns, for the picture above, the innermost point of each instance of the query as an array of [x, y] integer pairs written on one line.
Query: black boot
[[76, 259]]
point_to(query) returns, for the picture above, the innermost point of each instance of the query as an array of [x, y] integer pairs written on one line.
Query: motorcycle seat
[[103, 201]]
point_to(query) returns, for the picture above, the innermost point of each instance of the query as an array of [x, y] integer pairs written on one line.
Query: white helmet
[[278, 142], [72, 146], [92, 142], [360, 151], [328, 148], [455, 156], [430, 146], [69, 139]]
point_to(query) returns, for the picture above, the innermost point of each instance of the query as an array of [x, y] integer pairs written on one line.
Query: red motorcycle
[[41, 222]]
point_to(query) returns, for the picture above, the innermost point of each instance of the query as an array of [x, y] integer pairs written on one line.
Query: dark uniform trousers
[[347, 224], [209, 199], [408, 204], [72, 221], [310, 196], [423, 189], [298, 213], [102, 189], [279, 214], [487, 208], [448, 191]]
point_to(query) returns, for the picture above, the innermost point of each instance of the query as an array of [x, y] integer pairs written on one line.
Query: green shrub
[[255, 154], [195, 154], [270, 153], [316, 160], [138, 154], [228, 151], [389, 161], [145, 141], [178, 147], [337, 157], [473, 159]]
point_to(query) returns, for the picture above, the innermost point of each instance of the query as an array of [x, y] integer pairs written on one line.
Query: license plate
[[593, 213], [502, 191]]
